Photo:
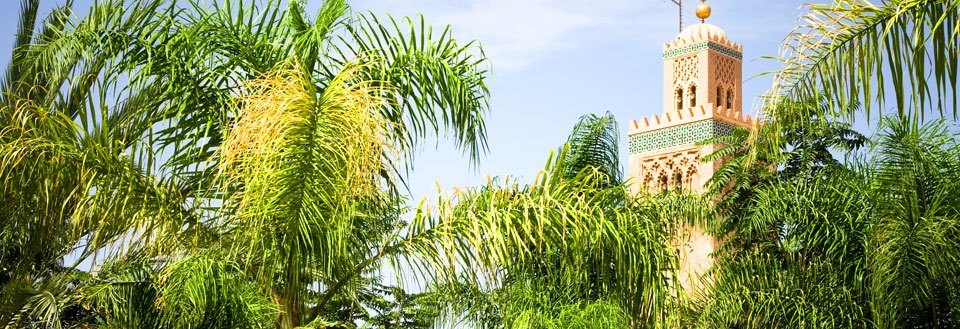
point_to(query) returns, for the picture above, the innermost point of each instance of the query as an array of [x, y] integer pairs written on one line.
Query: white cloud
[[518, 33]]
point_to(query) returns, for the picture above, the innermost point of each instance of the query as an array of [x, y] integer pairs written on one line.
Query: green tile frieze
[[692, 48], [679, 135]]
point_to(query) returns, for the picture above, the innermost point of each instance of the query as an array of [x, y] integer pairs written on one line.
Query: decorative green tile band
[[679, 135], [701, 46]]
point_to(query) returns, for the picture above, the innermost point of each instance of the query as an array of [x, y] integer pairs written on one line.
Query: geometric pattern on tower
[[678, 135], [692, 48]]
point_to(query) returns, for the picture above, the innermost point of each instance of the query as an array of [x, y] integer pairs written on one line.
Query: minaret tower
[[702, 98]]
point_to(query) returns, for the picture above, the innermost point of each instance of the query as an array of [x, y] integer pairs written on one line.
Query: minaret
[[702, 98]]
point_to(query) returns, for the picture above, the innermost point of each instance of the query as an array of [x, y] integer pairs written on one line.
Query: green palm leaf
[[858, 52]]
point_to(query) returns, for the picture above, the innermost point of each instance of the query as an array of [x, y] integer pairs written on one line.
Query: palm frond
[[207, 289], [435, 83], [593, 144], [854, 51], [602, 238]]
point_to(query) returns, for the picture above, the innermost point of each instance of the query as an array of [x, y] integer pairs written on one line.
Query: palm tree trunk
[[290, 308]]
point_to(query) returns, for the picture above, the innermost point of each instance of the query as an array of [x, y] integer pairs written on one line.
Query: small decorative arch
[[648, 181], [719, 96], [678, 179], [692, 94], [691, 175], [678, 96], [655, 167], [729, 98], [664, 182]]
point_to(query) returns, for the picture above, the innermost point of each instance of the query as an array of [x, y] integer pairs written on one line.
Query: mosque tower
[[702, 98]]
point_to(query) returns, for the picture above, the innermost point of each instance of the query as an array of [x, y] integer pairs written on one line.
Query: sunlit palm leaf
[[858, 52], [593, 144]]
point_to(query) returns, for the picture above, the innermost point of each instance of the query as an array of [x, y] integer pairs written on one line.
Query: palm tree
[[238, 164], [798, 145], [797, 259], [76, 164], [795, 228], [862, 245], [572, 248], [913, 240]]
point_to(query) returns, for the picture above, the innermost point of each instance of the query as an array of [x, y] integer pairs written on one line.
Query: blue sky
[[553, 61]]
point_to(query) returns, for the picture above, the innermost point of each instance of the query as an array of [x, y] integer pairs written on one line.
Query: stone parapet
[[690, 115]]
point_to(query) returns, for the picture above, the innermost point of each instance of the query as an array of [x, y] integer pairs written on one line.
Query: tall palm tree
[[238, 164], [915, 234]]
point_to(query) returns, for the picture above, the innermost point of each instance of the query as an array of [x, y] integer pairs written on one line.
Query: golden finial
[[703, 10]]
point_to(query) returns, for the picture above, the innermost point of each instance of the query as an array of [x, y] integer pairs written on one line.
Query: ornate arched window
[[678, 95], [730, 98], [648, 181], [677, 179], [693, 95], [719, 97], [664, 182]]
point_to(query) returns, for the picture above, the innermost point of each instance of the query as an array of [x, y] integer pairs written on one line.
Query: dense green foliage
[[572, 249], [868, 244], [240, 164], [227, 165]]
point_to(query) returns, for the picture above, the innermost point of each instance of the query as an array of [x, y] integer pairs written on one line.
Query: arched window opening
[[678, 180], [664, 184], [679, 98], [693, 95], [691, 175], [719, 97], [729, 99]]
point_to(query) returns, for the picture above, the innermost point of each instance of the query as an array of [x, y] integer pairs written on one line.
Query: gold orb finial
[[703, 10]]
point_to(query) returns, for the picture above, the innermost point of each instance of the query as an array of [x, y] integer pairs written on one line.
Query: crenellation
[[690, 115]]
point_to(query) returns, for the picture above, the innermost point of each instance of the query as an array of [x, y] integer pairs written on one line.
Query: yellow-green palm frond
[[302, 170], [579, 235], [280, 115]]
